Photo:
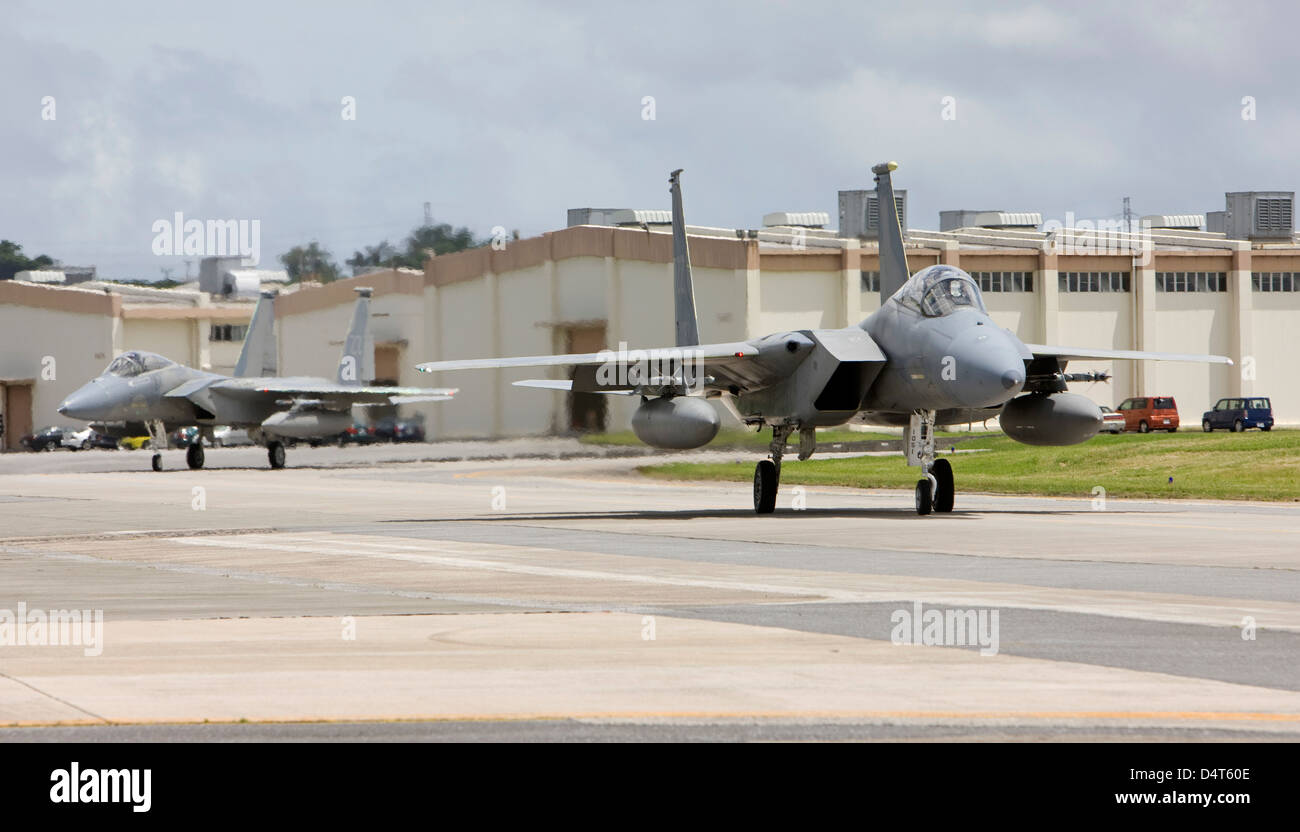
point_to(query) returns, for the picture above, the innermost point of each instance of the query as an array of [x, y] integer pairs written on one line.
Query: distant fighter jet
[[931, 355], [155, 394]]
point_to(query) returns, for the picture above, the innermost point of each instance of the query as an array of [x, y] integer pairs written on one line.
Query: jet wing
[[1077, 354], [707, 352], [737, 363], [293, 388]]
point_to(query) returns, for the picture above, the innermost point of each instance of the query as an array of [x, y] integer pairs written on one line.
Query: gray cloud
[[507, 114]]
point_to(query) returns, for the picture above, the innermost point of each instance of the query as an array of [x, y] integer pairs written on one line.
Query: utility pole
[[428, 214], [1128, 216]]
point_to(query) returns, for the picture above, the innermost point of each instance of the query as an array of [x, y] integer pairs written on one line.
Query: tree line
[[315, 262]]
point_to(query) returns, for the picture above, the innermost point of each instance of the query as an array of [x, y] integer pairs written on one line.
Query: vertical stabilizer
[[357, 364], [893, 260], [688, 329], [258, 356]]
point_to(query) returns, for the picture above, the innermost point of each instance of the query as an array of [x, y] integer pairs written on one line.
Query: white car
[[224, 437], [79, 441]]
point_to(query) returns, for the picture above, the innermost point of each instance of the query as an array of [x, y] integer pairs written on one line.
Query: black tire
[[1143, 427], [1266, 427], [946, 492], [1236, 426], [85, 445], [194, 456], [146, 445], [1206, 426], [924, 501], [275, 454], [1173, 430], [51, 445], [157, 462], [765, 485]]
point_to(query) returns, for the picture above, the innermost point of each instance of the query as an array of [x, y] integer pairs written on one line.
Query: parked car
[[225, 437], [1241, 414], [87, 438], [184, 437], [1147, 413], [358, 434], [398, 430], [46, 439], [1111, 422], [134, 443]]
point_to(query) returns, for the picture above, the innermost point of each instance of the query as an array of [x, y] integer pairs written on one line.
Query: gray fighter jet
[[931, 355], [151, 393]]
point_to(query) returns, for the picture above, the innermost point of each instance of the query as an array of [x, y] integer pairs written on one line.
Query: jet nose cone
[[985, 369], [85, 404]]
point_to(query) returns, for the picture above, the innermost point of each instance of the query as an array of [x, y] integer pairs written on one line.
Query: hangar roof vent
[[648, 216], [952, 220], [797, 219], [1183, 222]]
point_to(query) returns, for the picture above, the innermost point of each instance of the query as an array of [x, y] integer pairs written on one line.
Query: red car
[[1147, 413]]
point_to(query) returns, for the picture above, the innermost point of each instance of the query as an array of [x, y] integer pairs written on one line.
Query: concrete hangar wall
[[584, 288], [54, 339]]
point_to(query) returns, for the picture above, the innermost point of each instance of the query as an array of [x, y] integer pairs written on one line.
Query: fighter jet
[[149, 392], [931, 355]]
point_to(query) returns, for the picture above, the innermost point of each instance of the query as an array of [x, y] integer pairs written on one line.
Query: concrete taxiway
[[548, 596]]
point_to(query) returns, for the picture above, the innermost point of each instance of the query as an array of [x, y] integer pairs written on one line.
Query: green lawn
[[1251, 466], [736, 438]]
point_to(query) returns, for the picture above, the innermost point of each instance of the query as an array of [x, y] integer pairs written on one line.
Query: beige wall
[[1274, 333], [58, 350]]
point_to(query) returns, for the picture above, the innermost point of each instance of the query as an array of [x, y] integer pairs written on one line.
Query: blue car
[[1237, 415]]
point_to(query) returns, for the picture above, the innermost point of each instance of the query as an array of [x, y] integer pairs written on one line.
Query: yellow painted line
[[1038, 716]]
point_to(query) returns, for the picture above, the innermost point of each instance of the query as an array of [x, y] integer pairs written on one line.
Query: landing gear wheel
[[765, 483], [944, 493], [924, 501], [1206, 426], [1143, 427], [157, 462], [194, 456], [275, 453]]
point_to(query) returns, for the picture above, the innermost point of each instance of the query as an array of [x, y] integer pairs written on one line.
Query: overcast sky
[[508, 114]]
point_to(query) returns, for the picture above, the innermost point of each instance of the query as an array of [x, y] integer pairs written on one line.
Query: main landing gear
[[194, 455], [157, 441], [767, 474], [936, 490], [275, 453]]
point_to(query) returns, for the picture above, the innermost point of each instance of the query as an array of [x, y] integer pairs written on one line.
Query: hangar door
[[16, 409], [586, 411]]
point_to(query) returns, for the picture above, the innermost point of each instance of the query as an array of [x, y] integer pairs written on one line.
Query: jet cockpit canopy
[[134, 363], [940, 290]]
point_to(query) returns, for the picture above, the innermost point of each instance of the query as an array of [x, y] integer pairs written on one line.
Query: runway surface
[[551, 596]]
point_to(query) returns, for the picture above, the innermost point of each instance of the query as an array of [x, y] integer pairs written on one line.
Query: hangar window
[[1004, 281], [1275, 281], [1093, 282], [870, 281], [1191, 281], [227, 332]]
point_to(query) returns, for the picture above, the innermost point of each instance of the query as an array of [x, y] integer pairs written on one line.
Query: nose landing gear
[[936, 491]]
